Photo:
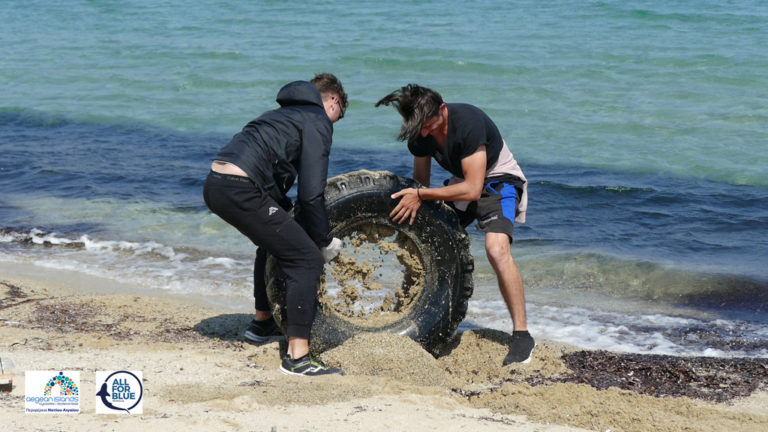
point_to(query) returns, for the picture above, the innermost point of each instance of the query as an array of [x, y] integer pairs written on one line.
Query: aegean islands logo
[[51, 392], [119, 392]]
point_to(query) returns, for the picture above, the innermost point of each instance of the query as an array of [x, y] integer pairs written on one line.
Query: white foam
[[148, 264], [623, 332]]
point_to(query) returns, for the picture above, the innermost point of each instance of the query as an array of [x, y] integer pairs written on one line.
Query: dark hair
[[416, 104], [328, 83]]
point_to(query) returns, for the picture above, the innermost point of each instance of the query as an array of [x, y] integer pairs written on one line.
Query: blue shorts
[[496, 209]]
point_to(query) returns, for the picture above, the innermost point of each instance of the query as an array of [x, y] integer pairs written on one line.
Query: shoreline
[[199, 375]]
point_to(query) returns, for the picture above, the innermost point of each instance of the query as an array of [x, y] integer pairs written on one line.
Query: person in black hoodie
[[247, 188]]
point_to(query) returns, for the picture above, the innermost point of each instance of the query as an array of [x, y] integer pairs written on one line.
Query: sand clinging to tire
[[375, 279]]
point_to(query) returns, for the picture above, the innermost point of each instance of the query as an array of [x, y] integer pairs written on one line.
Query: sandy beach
[[200, 376]]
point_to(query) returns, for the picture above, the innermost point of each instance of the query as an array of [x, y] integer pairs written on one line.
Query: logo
[[490, 218], [119, 392], [272, 210], [50, 392]]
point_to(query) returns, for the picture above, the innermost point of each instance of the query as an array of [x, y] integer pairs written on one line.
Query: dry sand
[[199, 376]]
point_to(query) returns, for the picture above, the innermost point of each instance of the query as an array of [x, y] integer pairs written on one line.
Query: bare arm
[[473, 167], [422, 170]]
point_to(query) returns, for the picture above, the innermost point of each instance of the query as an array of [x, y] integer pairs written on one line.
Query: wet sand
[[199, 375]]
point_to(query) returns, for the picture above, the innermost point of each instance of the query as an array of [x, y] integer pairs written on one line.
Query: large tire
[[362, 198]]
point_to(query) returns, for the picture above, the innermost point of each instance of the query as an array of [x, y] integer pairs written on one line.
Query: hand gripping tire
[[360, 199]]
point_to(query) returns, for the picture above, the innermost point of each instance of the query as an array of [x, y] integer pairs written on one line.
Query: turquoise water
[[678, 87], [642, 126]]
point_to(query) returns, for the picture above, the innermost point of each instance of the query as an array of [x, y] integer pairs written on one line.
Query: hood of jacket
[[299, 93]]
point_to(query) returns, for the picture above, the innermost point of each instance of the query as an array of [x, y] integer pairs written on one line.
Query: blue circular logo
[[121, 391]]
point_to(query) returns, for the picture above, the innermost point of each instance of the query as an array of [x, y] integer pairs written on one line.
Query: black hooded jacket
[[292, 140]]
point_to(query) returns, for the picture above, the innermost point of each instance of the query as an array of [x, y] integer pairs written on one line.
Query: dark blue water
[[663, 239], [721, 228]]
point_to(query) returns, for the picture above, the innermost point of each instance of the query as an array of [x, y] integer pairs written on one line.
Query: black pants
[[246, 207]]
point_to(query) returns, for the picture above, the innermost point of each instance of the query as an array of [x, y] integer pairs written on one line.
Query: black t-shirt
[[468, 128]]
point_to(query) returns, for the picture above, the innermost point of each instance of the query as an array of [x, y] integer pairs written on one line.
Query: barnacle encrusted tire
[[359, 199]]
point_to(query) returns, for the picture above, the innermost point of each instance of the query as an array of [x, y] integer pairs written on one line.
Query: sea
[[642, 127]]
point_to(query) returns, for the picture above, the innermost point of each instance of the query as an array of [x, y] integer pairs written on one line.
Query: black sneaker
[[307, 366], [263, 331], [520, 349]]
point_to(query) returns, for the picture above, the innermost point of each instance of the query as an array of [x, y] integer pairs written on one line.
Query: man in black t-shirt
[[487, 186]]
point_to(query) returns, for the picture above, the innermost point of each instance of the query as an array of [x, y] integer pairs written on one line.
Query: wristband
[[418, 194]]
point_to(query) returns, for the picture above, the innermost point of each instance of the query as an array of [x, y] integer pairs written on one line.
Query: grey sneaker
[[520, 349], [307, 366], [263, 331]]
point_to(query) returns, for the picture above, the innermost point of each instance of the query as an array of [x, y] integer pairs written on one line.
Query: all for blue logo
[[120, 392]]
